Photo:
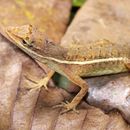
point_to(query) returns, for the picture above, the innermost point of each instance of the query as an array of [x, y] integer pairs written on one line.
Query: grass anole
[[98, 58]]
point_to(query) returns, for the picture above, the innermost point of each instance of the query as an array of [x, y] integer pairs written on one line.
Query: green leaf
[[78, 3]]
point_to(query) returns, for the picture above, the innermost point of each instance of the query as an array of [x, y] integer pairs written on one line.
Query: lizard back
[[97, 50]]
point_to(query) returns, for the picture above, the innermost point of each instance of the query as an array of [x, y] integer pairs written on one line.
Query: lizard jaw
[[15, 40], [20, 33]]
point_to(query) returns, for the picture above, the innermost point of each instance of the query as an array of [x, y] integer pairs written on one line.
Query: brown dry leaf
[[89, 118], [50, 17], [116, 122], [103, 19], [10, 71], [47, 118]]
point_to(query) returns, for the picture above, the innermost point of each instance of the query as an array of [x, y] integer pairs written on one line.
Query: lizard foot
[[42, 83], [67, 106], [39, 84]]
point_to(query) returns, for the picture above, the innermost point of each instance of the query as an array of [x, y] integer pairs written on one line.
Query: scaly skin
[[98, 58]]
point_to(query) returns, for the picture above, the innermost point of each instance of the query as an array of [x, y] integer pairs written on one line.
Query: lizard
[[100, 57]]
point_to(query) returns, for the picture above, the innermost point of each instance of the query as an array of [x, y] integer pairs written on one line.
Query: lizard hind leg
[[42, 82], [76, 100]]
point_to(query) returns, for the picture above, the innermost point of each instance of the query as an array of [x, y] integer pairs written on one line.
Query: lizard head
[[20, 35], [23, 37]]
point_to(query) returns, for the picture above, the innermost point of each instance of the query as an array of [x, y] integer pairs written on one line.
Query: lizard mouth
[[13, 37], [20, 35]]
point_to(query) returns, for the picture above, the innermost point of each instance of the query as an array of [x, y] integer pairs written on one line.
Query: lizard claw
[[67, 106], [59, 105]]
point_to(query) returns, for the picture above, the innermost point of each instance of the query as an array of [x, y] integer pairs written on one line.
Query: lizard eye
[[27, 43], [24, 42]]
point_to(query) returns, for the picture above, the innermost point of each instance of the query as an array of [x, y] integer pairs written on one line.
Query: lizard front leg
[[76, 100], [42, 82]]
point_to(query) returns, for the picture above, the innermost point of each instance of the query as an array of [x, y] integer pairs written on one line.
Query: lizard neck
[[32, 52], [47, 54]]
